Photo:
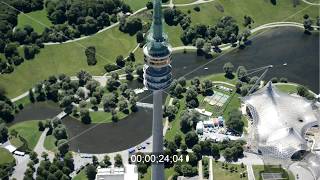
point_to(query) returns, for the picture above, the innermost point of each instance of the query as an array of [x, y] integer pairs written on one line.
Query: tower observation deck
[[157, 77]]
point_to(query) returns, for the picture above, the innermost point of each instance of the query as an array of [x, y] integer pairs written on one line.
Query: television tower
[[157, 77]]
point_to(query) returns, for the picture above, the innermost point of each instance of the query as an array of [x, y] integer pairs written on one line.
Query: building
[[199, 127], [128, 172], [157, 77], [280, 122]]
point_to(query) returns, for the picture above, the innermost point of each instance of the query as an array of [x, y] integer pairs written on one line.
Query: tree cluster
[[59, 169], [189, 120], [130, 25], [91, 55], [173, 17], [234, 121], [225, 31]]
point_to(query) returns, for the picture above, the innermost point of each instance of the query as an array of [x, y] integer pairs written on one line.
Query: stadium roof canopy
[[280, 121]]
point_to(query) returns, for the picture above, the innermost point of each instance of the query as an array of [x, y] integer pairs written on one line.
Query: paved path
[[39, 148], [222, 82], [314, 4], [210, 169], [250, 172], [21, 166]]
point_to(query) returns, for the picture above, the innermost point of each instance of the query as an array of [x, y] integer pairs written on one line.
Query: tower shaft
[[157, 135], [157, 21]]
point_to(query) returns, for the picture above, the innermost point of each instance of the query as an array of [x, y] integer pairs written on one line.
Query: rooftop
[[281, 120]]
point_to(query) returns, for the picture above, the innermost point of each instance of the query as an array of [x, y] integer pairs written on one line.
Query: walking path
[[210, 169], [250, 172], [314, 4]]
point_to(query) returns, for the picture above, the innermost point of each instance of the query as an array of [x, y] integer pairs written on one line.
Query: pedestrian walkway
[[210, 169], [250, 172]]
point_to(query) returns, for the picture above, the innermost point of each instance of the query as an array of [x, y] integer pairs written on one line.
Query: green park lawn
[[258, 169], [220, 173], [136, 4], [6, 157], [69, 58], [283, 11], [104, 117], [49, 143], [81, 176], [36, 19], [175, 123], [288, 88], [28, 130], [168, 173], [24, 101]]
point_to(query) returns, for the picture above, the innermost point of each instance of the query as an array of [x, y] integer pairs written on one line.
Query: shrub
[[91, 55], [197, 8]]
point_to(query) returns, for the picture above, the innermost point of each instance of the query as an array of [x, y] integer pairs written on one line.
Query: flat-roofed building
[[128, 172]]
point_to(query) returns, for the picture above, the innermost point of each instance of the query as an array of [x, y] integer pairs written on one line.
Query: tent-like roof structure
[[280, 121]]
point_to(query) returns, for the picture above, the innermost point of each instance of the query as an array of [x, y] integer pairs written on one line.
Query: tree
[[247, 21], [199, 45], [245, 34], [120, 61], [191, 94], [206, 49], [228, 69], [63, 146], [10, 50], [123, 105], [85, 116], [130, 25], [91, 172], [207, 87], [177, 140], [60, 132], [188, 120], [106, 161], [129, 69], [109, 101], [6, 111], [234, 121], [41, 126], [44, 155], [170, 112], [191, 139], [142, 168], [307, 24], [233, 39], [302, 91], [149, 5], [139, 37], [3, 133], [242, 73], [216, 42], [140, 72], [34, 157], [118, 161], [182, 81]]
